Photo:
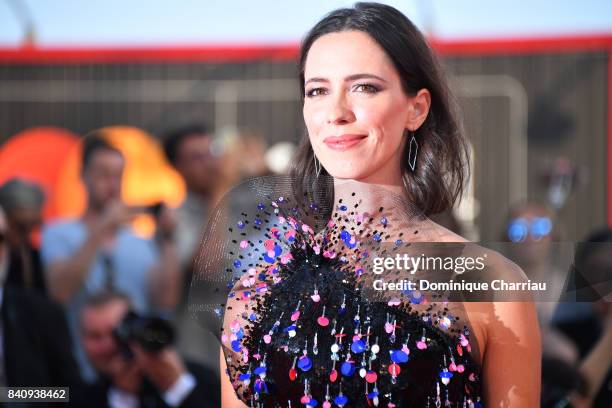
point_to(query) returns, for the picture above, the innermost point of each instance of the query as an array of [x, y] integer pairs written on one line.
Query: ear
[[418, 109]]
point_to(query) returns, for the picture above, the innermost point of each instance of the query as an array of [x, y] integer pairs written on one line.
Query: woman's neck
[[368, 194]]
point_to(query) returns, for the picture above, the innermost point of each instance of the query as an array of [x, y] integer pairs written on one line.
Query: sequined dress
[[301, 325]]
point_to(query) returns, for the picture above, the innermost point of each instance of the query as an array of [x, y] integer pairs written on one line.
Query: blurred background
[[534, 81]]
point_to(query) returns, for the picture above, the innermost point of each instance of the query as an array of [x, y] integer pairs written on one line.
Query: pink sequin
[[269, 245], [394, 302]]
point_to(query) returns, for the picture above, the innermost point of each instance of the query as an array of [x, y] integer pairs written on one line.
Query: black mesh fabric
[[284, 279]]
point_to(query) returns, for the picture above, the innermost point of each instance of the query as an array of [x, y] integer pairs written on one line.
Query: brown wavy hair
[[442, 165]]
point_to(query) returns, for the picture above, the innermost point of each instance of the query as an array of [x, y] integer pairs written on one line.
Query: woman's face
[[355, 109]]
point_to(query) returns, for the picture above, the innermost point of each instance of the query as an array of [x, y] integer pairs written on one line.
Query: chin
[[347, 173]]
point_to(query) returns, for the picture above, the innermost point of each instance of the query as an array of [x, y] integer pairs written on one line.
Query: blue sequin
[[347, 369], [289, 328], [240, 224], [237, 263], [236, 346], [260, 370], [358, 346], [416, 299], [304, 363], [240, 333], [398, 356], [341, 400], [261, 387]]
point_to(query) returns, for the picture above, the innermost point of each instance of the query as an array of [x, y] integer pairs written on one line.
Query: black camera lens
[[152, 333]]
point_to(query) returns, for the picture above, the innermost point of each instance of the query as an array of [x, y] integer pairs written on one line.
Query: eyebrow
[[348, 78]]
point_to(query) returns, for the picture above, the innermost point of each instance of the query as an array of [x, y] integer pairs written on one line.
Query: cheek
[[386, 115], [94, 347], [314, 118], [385, 124]]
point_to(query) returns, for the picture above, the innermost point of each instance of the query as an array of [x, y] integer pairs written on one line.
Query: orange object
[[147, 179], [51, 157], [38, 155]]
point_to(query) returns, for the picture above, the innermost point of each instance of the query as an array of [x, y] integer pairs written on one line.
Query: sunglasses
[[520, 228]]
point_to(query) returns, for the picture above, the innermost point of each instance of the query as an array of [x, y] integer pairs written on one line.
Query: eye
[[367, 88], [315, 92]]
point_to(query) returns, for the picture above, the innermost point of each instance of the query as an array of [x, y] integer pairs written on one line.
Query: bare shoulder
[[498, 320], [444, 234]]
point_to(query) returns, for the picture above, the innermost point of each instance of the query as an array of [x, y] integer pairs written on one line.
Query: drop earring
[[413, 149], [317, 165]]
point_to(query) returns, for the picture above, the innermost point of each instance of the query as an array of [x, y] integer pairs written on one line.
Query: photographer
[[35, 347], [137, 367], [99, 250]]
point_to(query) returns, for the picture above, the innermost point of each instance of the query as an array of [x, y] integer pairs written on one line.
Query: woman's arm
[[228, 395], [512, 360]]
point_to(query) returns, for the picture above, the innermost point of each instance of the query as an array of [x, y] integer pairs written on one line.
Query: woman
[[380, 121]]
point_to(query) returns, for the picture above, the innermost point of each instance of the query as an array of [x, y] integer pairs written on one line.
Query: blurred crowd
[[96, 307]]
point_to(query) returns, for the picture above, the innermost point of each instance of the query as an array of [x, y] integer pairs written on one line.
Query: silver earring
[[413, 148], [317, 166]]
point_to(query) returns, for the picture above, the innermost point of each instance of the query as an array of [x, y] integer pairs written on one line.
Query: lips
[[343, 142]]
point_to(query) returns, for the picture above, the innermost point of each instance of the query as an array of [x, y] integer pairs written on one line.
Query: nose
[[339, 111]]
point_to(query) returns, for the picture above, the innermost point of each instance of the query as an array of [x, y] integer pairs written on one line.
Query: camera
[[154, 209], [153, 333]]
